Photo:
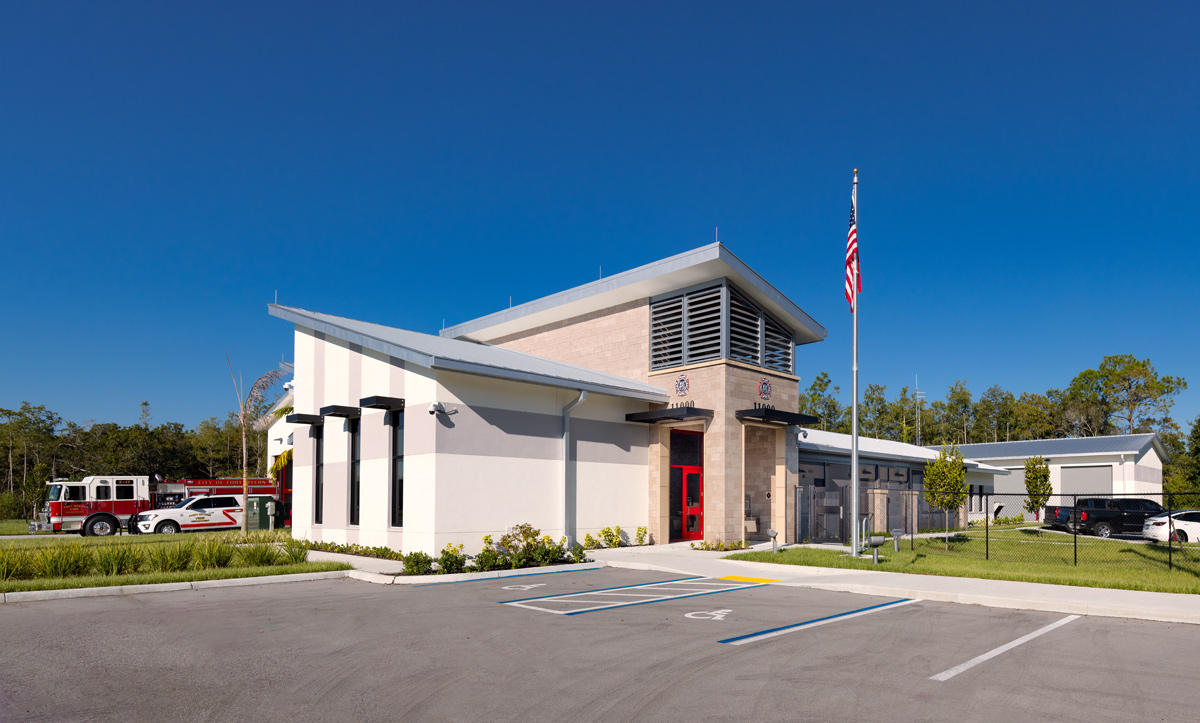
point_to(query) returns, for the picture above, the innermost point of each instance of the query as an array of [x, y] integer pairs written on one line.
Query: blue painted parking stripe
[[664, 599], [606, 589], [772, 632], [507, 577]]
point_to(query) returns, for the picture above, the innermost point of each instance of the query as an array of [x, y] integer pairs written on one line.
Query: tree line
[[1123, 395], [38, 445]]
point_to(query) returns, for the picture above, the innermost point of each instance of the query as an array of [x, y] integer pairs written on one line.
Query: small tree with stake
[[246, 406], [944, 488], [1037, 485]]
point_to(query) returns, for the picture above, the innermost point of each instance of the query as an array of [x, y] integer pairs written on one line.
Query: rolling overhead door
[[1087, 480]]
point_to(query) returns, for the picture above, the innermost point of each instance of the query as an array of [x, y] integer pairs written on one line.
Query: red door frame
[[696, 509]]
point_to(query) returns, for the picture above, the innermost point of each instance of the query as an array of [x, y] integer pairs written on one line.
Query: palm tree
[[246, 406]]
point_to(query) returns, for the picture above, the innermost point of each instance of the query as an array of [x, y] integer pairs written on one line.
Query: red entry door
[[693, 503]]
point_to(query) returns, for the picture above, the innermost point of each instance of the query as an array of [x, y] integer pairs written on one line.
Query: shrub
[[452, 560], [63, 560], [548, 552], [12, 506], [119, 559], [418, 563], [171, 558], [16, 563], [611, 536], [295, 551], [642, 532], [490, 557], [385, 553], [212, 552], [577, 554], [260, 554], [589, 542], [718, 545]]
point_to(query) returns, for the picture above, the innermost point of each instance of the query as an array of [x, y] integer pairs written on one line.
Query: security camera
[[437, 407], [804, 433]]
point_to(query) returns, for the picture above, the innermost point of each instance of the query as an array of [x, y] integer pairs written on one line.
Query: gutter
[[566, 455]]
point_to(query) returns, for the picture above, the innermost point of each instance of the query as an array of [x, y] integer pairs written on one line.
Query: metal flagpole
[[854, 390]]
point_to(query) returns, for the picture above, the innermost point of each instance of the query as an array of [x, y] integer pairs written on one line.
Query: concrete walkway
[[678, 558]]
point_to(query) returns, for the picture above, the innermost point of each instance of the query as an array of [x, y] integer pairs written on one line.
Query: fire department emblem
[[682, 385], [764, 388]]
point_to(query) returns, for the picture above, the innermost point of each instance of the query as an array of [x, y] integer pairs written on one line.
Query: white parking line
[[947, 675], [638, 594]]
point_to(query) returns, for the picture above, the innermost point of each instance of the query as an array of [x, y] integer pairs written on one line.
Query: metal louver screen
[[666, 333], [703, 326], [744, 330], [777, 347]]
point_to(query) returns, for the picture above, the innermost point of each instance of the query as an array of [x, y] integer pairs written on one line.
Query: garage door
[[1010, 494], [1087, 480]]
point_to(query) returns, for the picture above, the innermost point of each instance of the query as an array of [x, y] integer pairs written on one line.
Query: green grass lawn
[[1023, 555], [232, 536], [14, 527]]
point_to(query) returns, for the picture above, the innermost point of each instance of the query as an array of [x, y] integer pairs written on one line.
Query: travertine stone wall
[[614, 340]]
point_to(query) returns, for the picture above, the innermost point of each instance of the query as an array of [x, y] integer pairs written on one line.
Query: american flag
[[853, 275]]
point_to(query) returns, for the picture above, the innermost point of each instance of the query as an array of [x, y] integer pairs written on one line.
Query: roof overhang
[[661, 277], [312, 419], [671, 414], [391, 404], [337, 410], [774, 416]]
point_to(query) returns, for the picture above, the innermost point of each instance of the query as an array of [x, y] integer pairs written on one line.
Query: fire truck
[[103, 504]]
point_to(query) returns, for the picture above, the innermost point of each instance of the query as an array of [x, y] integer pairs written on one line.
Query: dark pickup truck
[[1057, 516], [1104, 517]]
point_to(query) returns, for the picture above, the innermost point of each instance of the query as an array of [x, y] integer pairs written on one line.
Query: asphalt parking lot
[[601, 645]]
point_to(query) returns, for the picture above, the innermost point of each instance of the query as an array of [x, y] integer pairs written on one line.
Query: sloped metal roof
[[816, 440], [1066, 447], [435, 352], [706, 263]]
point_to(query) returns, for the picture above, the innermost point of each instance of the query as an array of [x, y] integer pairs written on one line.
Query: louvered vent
[[703, 326], [745, 333], [666, 333], [777, 346]]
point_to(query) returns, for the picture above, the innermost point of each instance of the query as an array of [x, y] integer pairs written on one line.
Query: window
[[318, 436], [218, 502], [103, 491], [716, 322], [397, 491], [76, 493], [355, 467], [124, 489]]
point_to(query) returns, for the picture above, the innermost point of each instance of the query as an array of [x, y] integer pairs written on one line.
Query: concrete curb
[[39, 595]]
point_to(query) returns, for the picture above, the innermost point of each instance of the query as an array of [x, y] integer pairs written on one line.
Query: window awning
[[774, 416], [337, 410], [314, 419], [391, 404], [671, 414]]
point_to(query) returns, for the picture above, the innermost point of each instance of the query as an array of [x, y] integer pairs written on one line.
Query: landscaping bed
[[39, 564]]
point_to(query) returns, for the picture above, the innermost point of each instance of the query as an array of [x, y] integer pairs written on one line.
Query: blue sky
[[1028, 179]]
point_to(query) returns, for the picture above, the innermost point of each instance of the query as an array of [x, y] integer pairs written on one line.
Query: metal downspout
[[566, 456]]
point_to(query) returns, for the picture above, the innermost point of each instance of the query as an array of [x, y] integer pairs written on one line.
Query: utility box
[[257, 516]]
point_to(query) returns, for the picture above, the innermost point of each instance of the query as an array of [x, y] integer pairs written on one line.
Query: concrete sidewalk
[[1160, 606]]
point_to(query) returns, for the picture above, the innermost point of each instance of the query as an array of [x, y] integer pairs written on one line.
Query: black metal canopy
[[774, 416], [337, 410], [391, 404], [670, 414], [315, 419]]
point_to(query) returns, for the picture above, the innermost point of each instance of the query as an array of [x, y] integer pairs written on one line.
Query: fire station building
[[664, 397]]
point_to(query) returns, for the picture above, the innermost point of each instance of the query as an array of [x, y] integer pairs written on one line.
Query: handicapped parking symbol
[[523, 587], [708, 614]]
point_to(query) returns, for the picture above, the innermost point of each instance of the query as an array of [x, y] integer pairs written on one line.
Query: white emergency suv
[[206, 512]]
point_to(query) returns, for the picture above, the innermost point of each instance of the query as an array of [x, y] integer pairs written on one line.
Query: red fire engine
[[103, 504]]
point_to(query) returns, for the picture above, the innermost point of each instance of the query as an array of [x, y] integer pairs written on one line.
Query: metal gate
[[828, 514]]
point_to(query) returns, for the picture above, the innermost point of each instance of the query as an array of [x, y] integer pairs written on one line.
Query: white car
[[1187, 526], [204, 512]]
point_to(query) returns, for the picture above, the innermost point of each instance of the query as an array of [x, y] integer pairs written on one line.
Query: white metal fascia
[[456, 365]]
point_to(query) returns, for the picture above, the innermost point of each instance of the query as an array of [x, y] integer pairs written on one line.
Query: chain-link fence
[[1149, 532]]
